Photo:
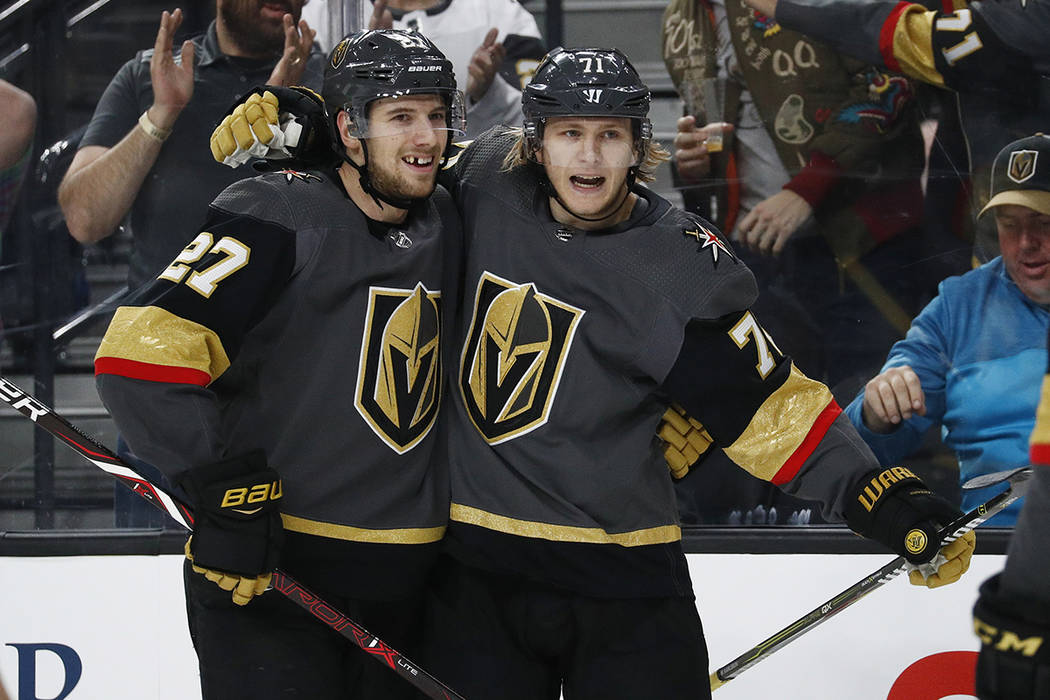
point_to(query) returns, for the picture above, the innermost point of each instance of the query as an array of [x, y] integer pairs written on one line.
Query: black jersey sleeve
[[977, 46], [165, 348]]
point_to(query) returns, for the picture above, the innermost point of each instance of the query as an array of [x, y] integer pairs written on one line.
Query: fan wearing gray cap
[[974, 357]]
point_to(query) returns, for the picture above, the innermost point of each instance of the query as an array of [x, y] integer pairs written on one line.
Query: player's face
[[587, 159], [1024, 240], [256, 25], [406, 137]]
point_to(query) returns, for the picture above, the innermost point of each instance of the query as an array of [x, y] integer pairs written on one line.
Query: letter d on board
[[71, 665]]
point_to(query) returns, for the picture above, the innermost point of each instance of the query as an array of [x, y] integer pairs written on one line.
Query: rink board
[[121, 619]]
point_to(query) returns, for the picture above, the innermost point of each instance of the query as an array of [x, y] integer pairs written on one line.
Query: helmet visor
[[404, 112], [589, 142]]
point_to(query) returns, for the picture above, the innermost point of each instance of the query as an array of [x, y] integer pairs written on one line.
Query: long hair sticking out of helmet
[[586, 83], [386, 63]]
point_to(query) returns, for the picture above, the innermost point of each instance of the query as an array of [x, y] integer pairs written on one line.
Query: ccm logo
[[256, 494], [423, 69]]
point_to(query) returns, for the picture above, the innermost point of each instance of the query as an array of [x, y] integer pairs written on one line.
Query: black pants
[[498, 638], [271, 648]]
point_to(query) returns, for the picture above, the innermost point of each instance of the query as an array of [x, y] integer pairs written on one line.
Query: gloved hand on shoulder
[[237, 531], [894, 507]]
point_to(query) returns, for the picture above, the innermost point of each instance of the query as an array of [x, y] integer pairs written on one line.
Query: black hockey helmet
[[586, 83], [382, 63]]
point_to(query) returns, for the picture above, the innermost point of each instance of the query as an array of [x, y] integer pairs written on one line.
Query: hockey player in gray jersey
[[589, 305], [284, 372]]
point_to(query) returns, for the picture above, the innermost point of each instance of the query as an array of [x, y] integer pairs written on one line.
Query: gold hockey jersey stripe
[[780, 425], [409, 535], [912, 48], [1039, 447], [151, 335], [563, 533]]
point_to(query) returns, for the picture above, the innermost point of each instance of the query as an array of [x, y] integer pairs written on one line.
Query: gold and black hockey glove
[[237, 531], [685, 440], [286, 126], [1014, 662], [893, 506]]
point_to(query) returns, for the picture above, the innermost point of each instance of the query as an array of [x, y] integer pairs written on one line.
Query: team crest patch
[[399, 374], [514, 356], [339, 52], [1022, 165], [289, 175], [709, 239]]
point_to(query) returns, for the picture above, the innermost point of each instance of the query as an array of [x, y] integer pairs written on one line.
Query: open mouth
[[419, 163], [587, 182]]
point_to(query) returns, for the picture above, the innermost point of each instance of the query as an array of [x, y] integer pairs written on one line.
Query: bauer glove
[[288, 126], [237, 531], [893, 507], [685, 440]]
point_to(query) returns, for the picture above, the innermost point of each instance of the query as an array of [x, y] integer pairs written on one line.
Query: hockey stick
[[105, 460], [1017, 483]]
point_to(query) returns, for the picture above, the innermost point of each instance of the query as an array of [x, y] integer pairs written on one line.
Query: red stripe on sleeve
[[886, 36], [1039, 453], [820, 427], [133, 369]]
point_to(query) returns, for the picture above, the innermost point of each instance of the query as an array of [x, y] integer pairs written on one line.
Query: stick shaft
[[858, 590], [104, 459]]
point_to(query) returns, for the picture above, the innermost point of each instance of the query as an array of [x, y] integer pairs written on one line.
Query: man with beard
[[284, 373], [590, 305], [140, 161]]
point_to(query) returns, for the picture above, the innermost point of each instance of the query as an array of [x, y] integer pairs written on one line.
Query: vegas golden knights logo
[[399, 376], [1022, 165], [514, 357]]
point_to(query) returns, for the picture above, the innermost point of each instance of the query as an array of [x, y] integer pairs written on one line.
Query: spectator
[[494, 45], [973, 358], [144, 155], [819, 187], [19, 117], [994, 54]]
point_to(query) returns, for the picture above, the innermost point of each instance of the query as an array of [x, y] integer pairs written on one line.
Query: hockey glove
[[237, 532], [685, 440], [287, 126], [894, 507], [1014, 662]]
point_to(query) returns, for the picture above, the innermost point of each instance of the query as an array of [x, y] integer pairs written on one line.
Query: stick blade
[[1014, 476]]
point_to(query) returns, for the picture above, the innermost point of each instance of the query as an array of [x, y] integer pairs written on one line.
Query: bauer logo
[[514, 356], [28, 655], [399, 375], [423, 69]]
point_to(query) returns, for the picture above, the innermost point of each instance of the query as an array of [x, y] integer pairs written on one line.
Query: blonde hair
[[519, 156]]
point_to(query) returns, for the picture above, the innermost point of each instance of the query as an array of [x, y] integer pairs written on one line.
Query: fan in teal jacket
[[979, 350]]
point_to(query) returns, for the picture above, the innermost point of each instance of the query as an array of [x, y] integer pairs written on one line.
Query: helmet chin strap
[[365, 180]]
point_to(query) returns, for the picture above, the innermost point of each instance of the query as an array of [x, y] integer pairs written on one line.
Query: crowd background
[[56, 295]]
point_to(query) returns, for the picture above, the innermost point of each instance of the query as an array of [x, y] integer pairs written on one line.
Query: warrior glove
[[275, 123], [1014, 662], [894, 507], [237, 530]]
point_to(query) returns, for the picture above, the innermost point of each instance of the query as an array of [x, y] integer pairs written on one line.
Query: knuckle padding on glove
[[685, 438], [893, 506], [1014, 661], [237, 525]]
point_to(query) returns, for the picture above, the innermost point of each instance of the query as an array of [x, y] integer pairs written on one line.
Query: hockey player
[[284, 372], [590, 304]]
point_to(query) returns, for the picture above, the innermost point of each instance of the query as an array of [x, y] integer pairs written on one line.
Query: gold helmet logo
[[915, 541], [513, 357], [1022, 165], [399, 379], [339, 52]]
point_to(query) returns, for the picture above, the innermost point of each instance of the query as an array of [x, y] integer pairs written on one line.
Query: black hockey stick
[[1017, 483], [108, 462]]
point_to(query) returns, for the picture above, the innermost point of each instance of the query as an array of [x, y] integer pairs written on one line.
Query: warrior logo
[[1022, 165], [399, 376], [514, 357]]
